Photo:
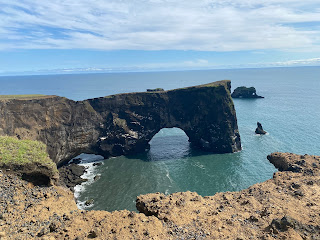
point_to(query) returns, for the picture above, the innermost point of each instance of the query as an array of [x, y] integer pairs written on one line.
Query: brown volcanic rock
[[124, 123], [284, 207]]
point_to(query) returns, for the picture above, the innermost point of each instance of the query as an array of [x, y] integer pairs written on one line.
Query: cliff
[[124, 123], [284, 207]]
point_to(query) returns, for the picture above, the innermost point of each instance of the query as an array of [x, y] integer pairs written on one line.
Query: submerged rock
[[97, 164], [89, 202], [96, 178], [259, 129], [244, 92]]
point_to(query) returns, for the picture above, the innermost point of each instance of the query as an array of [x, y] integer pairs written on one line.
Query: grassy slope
[[21, 152]]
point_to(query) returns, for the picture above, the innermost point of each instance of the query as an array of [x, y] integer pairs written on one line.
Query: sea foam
[[87, 160]]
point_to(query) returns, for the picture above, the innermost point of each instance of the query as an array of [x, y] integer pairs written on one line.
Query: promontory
[[124, 123]]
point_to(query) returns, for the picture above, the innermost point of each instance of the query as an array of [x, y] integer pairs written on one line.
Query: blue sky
[[129, 35]]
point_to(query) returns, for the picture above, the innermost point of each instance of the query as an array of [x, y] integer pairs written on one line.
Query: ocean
[[290, 113]]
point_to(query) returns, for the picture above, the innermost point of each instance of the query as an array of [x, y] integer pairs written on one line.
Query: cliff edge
[[124, 123], [284, 207]]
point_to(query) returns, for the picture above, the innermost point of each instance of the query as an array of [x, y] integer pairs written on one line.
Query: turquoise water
[[290, 113]]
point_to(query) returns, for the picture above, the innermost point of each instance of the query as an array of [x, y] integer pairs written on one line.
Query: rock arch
[[168, 144], [124, 123]]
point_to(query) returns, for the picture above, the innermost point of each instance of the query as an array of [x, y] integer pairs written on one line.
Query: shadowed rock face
[[125, 123], [244, 92]]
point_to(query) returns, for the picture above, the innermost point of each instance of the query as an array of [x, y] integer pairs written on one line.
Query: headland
[[123, 124]]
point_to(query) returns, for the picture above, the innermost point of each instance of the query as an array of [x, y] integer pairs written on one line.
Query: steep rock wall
[[124, 123]]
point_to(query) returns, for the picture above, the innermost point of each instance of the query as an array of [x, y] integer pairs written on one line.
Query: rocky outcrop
[[35, 172], [244, 92], [284, 207], [125, 123], [70, 175], [259, 129]]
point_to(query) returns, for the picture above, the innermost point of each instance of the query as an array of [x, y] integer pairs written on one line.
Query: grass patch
[[23, 97], [22, 152]]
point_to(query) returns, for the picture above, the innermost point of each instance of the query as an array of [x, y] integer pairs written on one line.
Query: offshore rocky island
[[284, 207]]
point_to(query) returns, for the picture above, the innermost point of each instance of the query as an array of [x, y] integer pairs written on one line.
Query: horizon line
[[77, 71]]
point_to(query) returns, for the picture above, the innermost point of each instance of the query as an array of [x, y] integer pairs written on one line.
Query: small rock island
[[259, 129], [245, 92]]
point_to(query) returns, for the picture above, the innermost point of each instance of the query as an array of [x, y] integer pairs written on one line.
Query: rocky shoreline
[[70, 175], [284, 207]]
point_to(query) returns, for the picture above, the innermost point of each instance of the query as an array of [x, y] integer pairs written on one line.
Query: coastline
[[89, 175], [89, 164], [285, 206]]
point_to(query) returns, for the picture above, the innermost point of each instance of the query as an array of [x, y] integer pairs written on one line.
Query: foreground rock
[[284, 207], [259, 129], [244, 92], [125, 123]]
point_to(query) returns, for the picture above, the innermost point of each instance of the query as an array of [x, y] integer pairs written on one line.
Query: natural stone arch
[[168, 144], [205, 113], [123, 124]]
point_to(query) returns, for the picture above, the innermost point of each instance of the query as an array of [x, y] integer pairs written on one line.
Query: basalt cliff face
[[125, 123]]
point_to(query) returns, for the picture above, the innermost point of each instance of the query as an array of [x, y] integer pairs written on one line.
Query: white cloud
[[300, 62], [196, 64], [205, 25]]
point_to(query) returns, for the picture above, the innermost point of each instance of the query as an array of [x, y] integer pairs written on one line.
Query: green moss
[[110, 96], [89, 107], [22, 152], [209, 85], [26, 96]]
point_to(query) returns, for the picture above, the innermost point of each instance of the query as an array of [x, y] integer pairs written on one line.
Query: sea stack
[[259, 129], [244, 92]]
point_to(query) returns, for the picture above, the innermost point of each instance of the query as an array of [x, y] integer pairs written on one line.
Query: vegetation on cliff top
[[22, 152], [23, 97]]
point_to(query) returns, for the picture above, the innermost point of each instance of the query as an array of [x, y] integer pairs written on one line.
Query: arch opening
[[169, 144]]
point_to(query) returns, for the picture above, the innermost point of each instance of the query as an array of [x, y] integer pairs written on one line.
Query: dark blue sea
[[290, 113]]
